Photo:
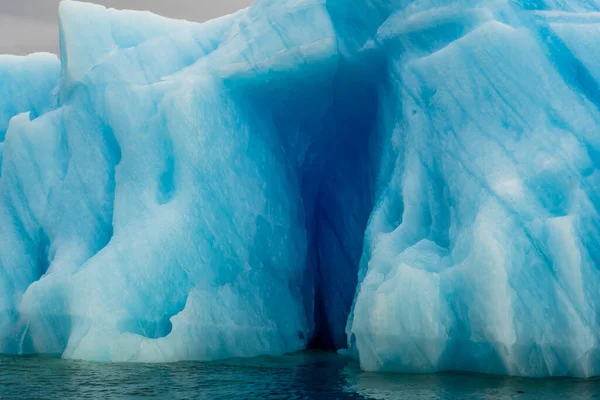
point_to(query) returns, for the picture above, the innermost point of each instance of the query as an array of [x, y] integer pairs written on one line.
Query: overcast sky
[[28, 26]]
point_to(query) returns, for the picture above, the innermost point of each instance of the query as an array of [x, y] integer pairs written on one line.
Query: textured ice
[[482, 251], [417, 180], [26, 85]]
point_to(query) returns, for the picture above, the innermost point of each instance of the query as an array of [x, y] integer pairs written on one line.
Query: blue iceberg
[[415, 181]]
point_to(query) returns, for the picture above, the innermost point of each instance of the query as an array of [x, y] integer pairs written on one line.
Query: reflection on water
[[470, 386], [311, 375]]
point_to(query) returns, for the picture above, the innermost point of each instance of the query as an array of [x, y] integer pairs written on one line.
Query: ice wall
[[137, 240], [481, 253]]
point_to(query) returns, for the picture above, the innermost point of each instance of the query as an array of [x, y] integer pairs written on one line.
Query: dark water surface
[[298, 376]]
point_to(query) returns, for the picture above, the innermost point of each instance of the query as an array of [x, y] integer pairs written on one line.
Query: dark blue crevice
[[324, 123], [345, 197]]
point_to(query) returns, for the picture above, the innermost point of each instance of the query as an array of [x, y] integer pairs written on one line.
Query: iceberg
[[415, 182]]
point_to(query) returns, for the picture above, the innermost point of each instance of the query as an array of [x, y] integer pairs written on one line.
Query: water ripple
[[312, 375]]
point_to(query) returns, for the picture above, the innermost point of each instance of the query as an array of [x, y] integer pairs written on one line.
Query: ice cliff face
[[417, 180], [482, 251]]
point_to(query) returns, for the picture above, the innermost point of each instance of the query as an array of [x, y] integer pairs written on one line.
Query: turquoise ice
[[26, 86], [417, 181]]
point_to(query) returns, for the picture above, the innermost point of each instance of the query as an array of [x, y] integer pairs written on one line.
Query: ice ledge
[[108, 29]]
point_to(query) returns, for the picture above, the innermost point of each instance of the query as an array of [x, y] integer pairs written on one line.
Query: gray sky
[[28, 26]]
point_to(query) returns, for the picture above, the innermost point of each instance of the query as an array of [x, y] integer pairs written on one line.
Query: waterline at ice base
[[415, 183]]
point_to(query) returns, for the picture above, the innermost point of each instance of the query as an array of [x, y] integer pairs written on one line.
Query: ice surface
[[416, 179], [26, 85], [481, 253]]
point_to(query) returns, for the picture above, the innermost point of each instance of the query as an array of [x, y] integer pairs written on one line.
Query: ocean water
[[311, 375]]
